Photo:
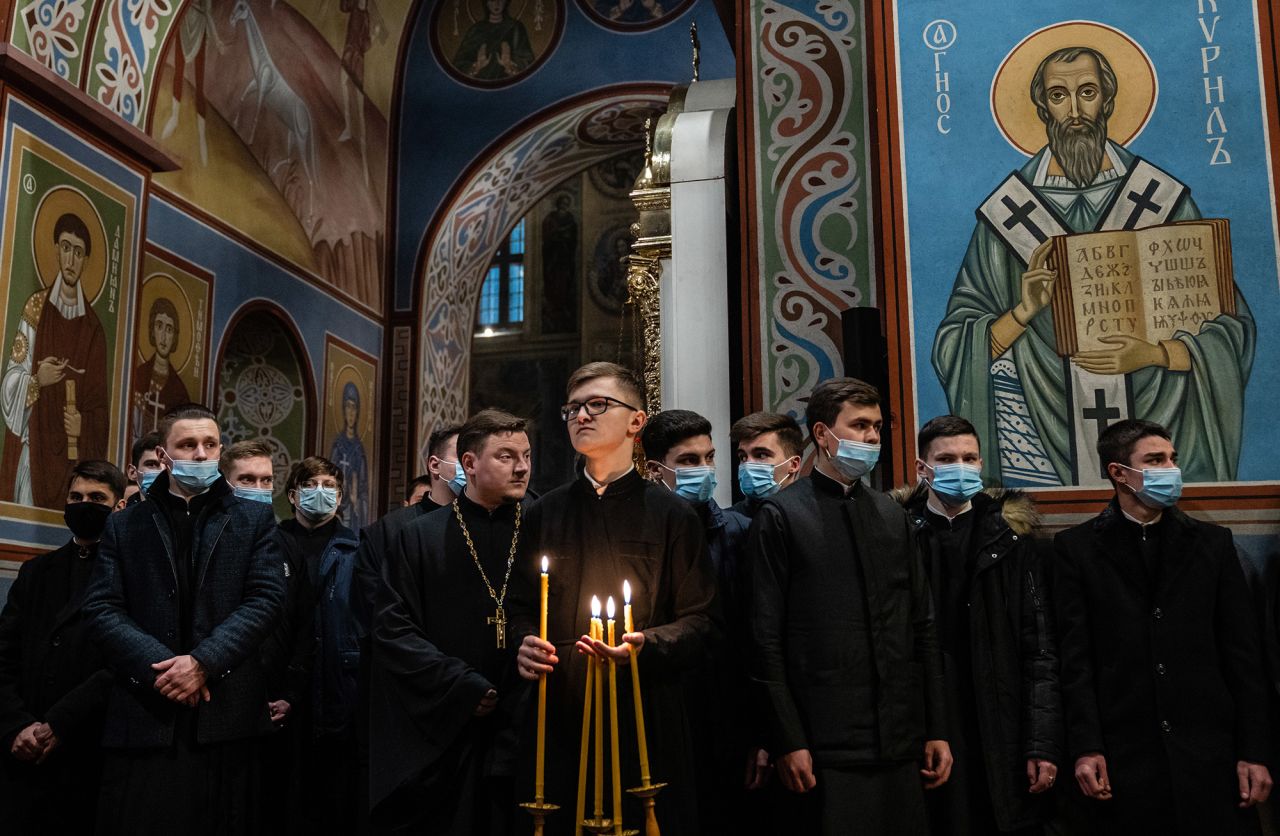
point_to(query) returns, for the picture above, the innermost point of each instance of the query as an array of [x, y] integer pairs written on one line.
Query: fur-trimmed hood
[[1017, 507]]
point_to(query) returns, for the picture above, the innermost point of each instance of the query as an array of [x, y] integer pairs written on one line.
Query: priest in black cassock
[[445, 700], [1163, 678], [375, 540], [845, 653], [607, 526]]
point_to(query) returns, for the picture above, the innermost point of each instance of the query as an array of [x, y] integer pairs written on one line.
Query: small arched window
[[502, 296]]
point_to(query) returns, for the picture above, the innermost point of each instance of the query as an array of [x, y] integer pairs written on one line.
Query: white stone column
[[695, 304]]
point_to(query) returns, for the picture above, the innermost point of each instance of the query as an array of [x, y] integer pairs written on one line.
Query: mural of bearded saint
[[994, 351]]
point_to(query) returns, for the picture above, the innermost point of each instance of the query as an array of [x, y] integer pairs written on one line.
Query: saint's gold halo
[[163, 286], [57, 202], [347, 373], [1015, 113]]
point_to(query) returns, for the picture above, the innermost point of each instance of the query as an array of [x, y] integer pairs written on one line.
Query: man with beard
[[60, 349], [995, 349], [156, 385], [446, 698]]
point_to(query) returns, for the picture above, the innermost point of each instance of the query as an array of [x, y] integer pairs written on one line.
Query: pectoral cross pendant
[[499, 622]]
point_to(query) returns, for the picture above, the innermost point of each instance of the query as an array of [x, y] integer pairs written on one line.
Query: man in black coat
[[187, 586], [1162, 670], [53, 685], [996, 633], [844, 649]]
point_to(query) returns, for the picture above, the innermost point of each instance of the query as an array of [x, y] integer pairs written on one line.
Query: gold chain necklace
[[499, 617]]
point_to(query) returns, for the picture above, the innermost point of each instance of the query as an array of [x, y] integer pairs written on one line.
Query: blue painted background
[[445, 125], [948, 176]]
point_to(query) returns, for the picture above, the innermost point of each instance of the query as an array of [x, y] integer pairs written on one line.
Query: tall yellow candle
[[613, 726], [635, 687], [586, 737], [539, 779], [597, 633]]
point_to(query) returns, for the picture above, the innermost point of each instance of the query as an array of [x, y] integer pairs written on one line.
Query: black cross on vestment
[[1020, 215], [1101, 413], [1143, 203]]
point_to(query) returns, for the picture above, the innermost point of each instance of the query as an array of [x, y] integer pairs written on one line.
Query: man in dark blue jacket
[[187, 586], [53, 686], [321, 652]]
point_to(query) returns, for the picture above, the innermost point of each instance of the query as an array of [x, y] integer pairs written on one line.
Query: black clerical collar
[[833, 487], [622, 484]]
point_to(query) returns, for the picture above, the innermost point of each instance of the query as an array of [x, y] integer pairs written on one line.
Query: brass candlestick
[[647, 794], [539, 810]]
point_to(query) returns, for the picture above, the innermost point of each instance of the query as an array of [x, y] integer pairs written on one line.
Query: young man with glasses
[[608, 526]]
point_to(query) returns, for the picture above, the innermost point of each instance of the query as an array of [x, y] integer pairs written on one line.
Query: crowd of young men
[[821, 658]]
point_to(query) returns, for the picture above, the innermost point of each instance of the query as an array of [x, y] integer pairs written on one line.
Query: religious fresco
[[170, 339], [634, 15], [347, 439], [262, 393], [495, 43], [279, 113], [1062, 277], [66, 275], [557, 252]]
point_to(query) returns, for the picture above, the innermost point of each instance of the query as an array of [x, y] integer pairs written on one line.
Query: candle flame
[[609, 609], [544, 564], [595, 607], [626, 592]]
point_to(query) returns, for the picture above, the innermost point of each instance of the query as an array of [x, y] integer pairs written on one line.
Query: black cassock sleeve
[[1240, 648], [14, 716], [687, 639], [769, 580], [1075, 645], [421, 698]]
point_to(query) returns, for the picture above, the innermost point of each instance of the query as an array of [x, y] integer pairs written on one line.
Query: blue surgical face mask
[[956, 484], [695, 484], [760, 479], [1161, 486], [146, 478], [192, 475], [318, 502], [853, 459], [459, 480], [253, 494]]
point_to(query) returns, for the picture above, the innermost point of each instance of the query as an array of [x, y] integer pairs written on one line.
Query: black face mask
[[86, 519]]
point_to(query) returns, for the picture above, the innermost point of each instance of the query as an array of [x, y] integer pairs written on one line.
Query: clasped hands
[[182, 679], [537, 657], [34, 743]]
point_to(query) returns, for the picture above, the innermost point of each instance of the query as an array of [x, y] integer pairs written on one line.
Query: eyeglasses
[[595, 406]]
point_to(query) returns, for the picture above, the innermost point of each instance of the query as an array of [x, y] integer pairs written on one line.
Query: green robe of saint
[[490, 39], [1203, 408]]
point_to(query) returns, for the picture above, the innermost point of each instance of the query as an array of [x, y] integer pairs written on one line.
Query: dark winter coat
[[238, 594], [1163, 676], [1012, 647]]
